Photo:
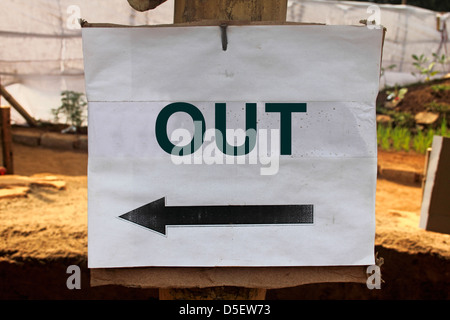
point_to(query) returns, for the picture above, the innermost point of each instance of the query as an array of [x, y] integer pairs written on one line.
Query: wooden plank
[[192, 11], [145, 5], [16, 105], [12, 186], [227, 10], [6, 139], [207, 277], [435, 211], [14, 192], [222, 282], [8, 181], [214, 293], [86, 24]]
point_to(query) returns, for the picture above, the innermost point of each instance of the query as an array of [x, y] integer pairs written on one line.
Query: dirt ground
[[419, 95], [45, 232]]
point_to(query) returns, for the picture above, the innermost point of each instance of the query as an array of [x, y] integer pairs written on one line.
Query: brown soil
[[44, 233], [420, 95], [419, 98]]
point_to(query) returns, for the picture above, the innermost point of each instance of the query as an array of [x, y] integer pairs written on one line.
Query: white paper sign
[[263, 154]]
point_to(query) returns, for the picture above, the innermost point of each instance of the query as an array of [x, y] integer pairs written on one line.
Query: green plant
[[423, 140], [438, 107], [380, 131], [384, 136], [396, 95], [429, 138], [442, 60], [421, 64], [443, 129], [402, 119], [440, 87], [72, 106], [419, 142], [401, 138], [406, 143]]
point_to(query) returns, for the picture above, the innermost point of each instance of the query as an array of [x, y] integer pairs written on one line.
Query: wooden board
[[198, 10], [247, 277], [435, 213], [19, 186], [256, 280], [14, 192]]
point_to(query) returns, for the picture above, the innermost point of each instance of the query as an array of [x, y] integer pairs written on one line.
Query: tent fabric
[[41, 49], [409, 30], [43, 36]]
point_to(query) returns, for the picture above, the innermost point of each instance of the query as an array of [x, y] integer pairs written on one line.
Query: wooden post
[[425, 169], [232, 283], [193, 11], [16, 105], [435, 214], [236, 10], [212, 293], [6, 138], [145, 5]]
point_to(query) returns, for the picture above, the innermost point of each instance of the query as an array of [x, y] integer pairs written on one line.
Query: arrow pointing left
[[157, 216]]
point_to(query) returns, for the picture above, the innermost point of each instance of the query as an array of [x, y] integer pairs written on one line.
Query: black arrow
[[156, 216]]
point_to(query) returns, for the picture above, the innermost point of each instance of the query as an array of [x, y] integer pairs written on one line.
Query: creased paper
[[133, 75]]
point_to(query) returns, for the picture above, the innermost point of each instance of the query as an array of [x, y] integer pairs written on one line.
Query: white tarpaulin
[[41, 51], [146, 86], [410, 30]]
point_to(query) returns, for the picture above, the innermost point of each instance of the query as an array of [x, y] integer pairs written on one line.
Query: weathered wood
[[213, 293], [6, 139], [425, 169], [12, 186], [435, 213], [207, 277], [14, 192], [227, 10], [195, 282], [16, 105], [42, 180], [196, 12], [145, 5], [192, 11]]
